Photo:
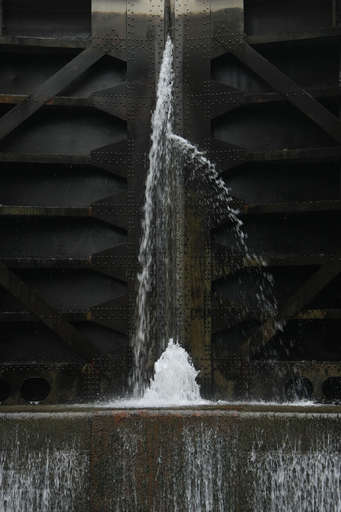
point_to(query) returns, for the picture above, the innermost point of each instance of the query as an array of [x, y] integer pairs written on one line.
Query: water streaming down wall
[[217, 461], [246, 458], [38, 470], [287, 479], [157, 288]]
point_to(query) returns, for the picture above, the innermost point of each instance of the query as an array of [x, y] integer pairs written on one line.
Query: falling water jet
[[157, 281], [174, 380], [155, 251], [204, 171]]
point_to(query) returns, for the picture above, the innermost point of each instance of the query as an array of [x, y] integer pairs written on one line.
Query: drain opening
[[298, 388], [35, 389], [5, 390]]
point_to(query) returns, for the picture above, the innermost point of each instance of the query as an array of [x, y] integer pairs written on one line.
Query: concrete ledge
[[257, 407], [236, 457]]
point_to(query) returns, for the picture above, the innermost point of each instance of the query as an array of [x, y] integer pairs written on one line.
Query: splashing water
[[219, 204], [174, 381], [156, 231], [156, 312]]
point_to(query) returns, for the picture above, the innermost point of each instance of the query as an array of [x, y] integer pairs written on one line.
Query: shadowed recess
[[63, 132]]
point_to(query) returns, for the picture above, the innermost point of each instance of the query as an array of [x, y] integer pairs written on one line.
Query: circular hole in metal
[[331, 388], [35, 389], [5, 390], [299, 388]]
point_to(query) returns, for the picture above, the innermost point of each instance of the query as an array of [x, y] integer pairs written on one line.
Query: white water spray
[[174, 381], [156, 222], [156, 311], [219, 205]]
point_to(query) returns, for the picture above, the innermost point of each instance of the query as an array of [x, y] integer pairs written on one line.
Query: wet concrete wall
[[227, 459]]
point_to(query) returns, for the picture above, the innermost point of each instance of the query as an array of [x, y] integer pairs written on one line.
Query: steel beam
[[306, 293], [331, 154], [292, 207], [45, 158], [303, 296], [1, 17], [108, 159], [319, 314], [229, 158], [44, 42], [282, 37], [224, 99], [111, 101], [59, 101], [112, 210], [112, 262], [192, 27], [40, 211], [113, 316], [48, 315], [59, 81], [225, 262], [295, 94], [113, 158]]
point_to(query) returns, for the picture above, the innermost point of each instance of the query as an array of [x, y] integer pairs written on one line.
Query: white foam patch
[[174, 380]]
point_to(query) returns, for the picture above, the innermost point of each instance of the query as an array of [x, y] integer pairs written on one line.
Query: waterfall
[[295, 478], [37, 471]]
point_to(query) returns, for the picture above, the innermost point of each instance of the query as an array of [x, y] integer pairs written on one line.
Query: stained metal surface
[[257, 87], [57, 19], [280, 82], [122, 89], [233, 97], [47, 315], [52, 87]]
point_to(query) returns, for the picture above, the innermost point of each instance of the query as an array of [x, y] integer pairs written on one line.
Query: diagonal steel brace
[[55, 84]]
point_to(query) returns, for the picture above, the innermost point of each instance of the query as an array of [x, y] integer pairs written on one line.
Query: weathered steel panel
[[75, 170], [214, 459]]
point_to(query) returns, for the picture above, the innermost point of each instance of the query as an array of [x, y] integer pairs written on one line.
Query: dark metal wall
[[77, 84], [261, 95], [257, 87]]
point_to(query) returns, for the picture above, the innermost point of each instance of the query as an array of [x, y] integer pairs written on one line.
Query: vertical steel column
[[108, 21], [176, 30], [334, 14], [1, 17], [230, 371], [191, 32], [336, 23], [145, 43]]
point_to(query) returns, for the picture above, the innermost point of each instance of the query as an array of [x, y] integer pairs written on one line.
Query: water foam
[[174, 380], [154, 252]]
